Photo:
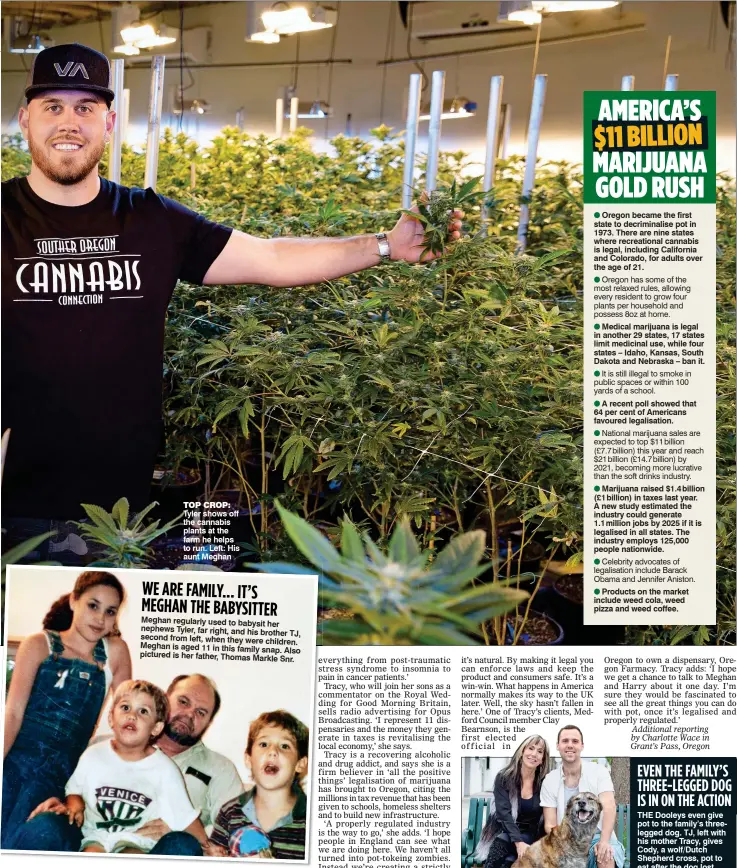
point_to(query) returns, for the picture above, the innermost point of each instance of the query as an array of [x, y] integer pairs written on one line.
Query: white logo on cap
[[71, 69]]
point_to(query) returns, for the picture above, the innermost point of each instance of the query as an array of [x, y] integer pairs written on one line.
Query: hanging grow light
[[31, 44], [521, 11], [572, 5], [268, 37], [255, 29], [196, 106], [299, 18], [316, 109], [20, 40], [124, 48], [137, 31], [163, 36], [137, 36], [458, 107], [530, 12]]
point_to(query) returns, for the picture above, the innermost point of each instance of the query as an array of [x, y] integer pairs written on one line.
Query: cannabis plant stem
[[519, 568], [248, 489], [264, 477], [494, 555], [532, 597], [456, 508], [508, 566], [367, 511]]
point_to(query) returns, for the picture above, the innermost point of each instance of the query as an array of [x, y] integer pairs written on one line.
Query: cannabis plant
[[125, 538], [398, 596], [435, 209]]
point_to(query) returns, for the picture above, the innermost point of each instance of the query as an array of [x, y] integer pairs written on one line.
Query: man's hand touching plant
[[419, 235], [412, 238]]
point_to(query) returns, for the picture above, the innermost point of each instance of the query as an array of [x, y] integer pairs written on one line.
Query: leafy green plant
[[17, 553], [447, 394], [125, 538], [399, 596], [436, 208], [15, 158], [14, 556]]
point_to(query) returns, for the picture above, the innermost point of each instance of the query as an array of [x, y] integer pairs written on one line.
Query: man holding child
[[211, 778], [127, 796]]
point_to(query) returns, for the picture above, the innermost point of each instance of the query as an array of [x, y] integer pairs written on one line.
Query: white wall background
[[479, 772], [247, 689], [698, 54]]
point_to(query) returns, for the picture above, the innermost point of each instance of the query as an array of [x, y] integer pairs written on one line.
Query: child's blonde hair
[[161, 703]]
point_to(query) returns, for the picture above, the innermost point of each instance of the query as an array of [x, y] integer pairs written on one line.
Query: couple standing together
[[530, 798]]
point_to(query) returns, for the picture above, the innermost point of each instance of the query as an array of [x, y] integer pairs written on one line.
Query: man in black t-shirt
[[81, 381]]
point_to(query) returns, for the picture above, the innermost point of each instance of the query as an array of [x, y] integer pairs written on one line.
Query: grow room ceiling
[[466, 24], [362, 66], [60, 14]]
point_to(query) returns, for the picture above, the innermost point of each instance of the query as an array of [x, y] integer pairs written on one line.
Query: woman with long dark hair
[[59, 684], [517, 819]]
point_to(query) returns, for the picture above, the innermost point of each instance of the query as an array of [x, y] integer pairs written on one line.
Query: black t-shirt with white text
[[84, 296]]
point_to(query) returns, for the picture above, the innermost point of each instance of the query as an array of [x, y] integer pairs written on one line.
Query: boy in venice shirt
[[88, 268], [121, 784]]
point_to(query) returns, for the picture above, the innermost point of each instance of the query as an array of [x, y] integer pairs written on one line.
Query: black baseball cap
[[70, 67]]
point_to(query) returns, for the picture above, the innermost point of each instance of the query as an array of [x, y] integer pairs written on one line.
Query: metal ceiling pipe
[[515, 46], [433, 135], [410, 138], [533, 139], [628, 82], [671, 82], [492, 135], [116, 138], [154, 120]]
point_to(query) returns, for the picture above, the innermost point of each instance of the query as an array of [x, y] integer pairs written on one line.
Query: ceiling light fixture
[[299, 18], [31, 44], [255, 30], [136, 35], [521, 11], [268, 37], [137, 31], [163, 36], [458, 107], [196, 106], [20, 40], [572, 5], [126, 48], [316, 109]]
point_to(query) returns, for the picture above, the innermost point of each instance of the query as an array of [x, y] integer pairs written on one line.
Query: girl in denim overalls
[[59, 685]]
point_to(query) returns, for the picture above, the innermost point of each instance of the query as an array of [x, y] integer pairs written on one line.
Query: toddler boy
[[269, 820], [120, 784]]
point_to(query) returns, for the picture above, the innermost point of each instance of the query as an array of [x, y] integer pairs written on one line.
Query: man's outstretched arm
[[550, 818], [301, 261]]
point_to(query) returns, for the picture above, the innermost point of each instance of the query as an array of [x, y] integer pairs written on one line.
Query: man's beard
[[70, 174], [182, 738]]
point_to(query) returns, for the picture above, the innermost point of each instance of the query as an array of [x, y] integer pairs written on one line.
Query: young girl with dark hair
[[59, 684], [517, 818]]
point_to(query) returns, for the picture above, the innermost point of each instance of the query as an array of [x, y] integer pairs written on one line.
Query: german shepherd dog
[[567, 845]]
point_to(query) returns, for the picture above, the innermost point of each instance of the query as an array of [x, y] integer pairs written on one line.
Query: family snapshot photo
[[139, 719]]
